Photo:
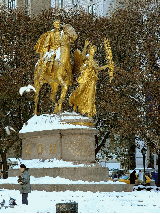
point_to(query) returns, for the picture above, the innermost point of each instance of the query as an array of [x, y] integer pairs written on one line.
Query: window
[[27, 6], [90, 9], [93, 9], [59, 3], [11, 4], [26, 3]]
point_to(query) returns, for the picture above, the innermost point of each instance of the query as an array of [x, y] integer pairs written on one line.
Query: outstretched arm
[[84, 49], [102, 68]]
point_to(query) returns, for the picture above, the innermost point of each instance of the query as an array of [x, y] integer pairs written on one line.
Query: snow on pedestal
[[54, 121], [66, 136]]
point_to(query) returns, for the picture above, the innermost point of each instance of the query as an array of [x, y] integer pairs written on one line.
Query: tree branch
[[102, 142]]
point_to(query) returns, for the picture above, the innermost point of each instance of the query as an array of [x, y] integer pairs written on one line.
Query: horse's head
[[70, 31]]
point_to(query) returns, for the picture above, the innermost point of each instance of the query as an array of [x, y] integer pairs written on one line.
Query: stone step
[[74, 187], [90, 174]]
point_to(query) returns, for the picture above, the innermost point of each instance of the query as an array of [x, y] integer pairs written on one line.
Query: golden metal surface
[[51, 70], [81, 123], [83, 96], [54, 67], [52, 151], [28, 147], [41, 150], [109, 58]]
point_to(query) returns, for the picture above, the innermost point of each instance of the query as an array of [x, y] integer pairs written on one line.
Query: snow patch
[[49, 163], [51, 180], [8, 129], [49, 54], [27, 89], [58, 54], [50, 122], [88, 202]]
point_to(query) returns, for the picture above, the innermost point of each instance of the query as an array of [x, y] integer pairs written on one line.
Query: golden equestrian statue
[[54, 65], [83, 96]]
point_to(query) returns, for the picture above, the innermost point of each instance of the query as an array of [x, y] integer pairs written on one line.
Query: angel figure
[[83, 96]]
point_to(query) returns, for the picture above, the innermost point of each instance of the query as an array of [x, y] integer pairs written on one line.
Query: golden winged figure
[[83, 96]]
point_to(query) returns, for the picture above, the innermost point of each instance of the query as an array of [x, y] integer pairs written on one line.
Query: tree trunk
[[159, 169], [102, 142], [4, 165]]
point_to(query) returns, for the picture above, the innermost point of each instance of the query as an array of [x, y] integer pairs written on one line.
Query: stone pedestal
[[41, 145], [78, 145], [94, 173], [66, 139], [66, 136], [68, 145]]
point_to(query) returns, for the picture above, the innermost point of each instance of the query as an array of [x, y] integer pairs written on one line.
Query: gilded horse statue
[[54, 65]]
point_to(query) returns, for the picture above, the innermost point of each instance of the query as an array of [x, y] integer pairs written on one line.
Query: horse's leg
[[62, 97], [36, 101], [75, 108], [63, 85], [54, 87]]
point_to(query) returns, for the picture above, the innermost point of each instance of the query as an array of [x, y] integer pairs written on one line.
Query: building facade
[[95, 7], [8, 4], [34, 7]]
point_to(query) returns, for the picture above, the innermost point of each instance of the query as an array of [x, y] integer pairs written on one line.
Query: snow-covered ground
[[51, 180], [88, 202], [48, 163]]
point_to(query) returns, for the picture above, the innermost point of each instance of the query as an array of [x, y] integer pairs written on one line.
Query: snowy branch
[[27, 89]]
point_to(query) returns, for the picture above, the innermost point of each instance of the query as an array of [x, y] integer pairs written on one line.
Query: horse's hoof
[[74, 108], [56, 108], [56, 111], [52, 98], [59, 107]]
